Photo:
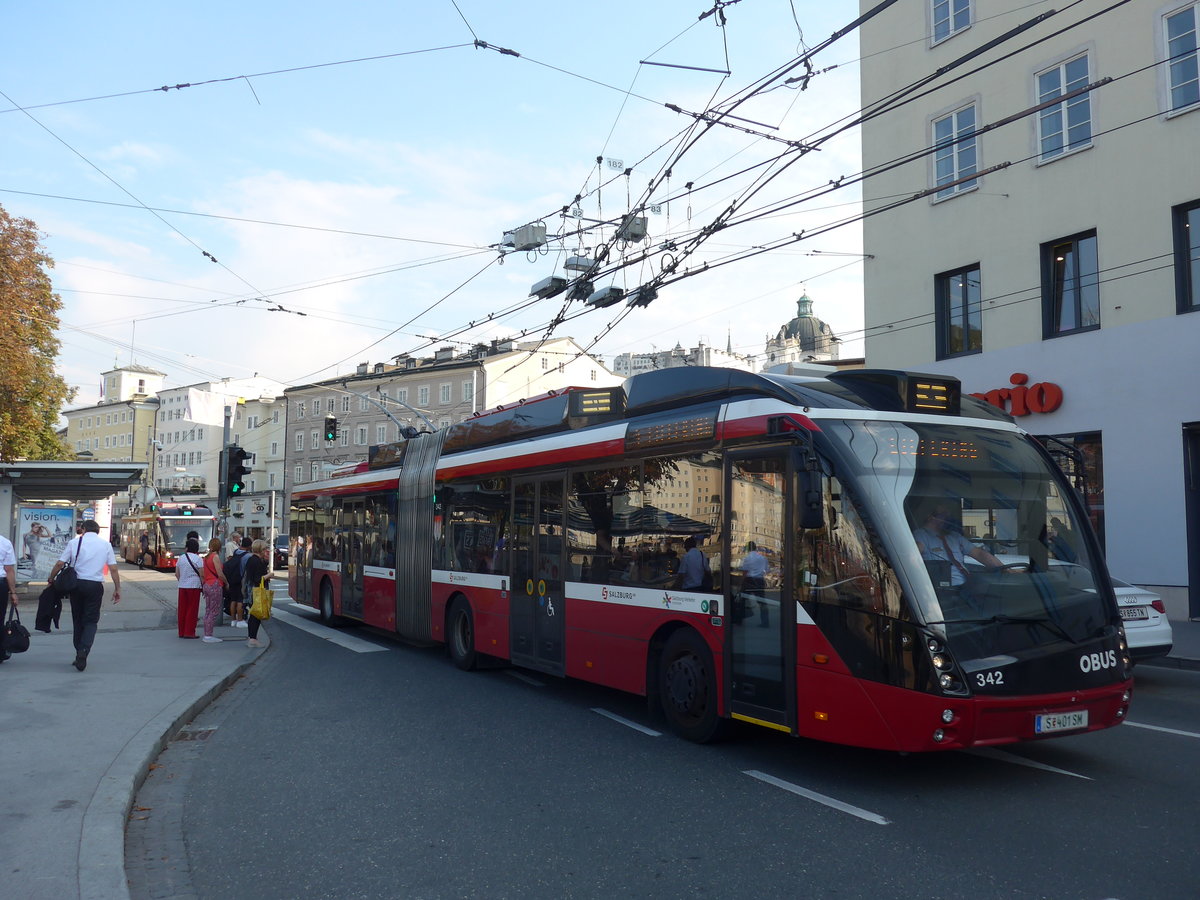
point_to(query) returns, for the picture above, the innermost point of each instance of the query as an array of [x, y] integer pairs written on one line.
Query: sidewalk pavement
[[79, 744]]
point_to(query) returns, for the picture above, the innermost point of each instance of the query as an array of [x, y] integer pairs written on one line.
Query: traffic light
[[331, 428], [237, 464]]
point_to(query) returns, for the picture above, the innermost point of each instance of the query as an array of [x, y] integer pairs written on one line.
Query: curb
[[102, 842], [1171, 662]]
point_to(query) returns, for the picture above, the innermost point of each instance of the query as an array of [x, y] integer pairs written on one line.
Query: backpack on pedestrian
[[233, 590]]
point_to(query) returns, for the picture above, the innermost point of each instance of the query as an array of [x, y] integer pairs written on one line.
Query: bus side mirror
[[809, 500]]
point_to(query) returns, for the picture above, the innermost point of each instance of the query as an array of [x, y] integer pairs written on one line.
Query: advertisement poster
[[42, 533]]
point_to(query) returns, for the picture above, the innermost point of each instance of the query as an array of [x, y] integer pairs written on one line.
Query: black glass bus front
[[972, 536]]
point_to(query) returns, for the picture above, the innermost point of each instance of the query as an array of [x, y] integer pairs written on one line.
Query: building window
[[360, 437], [271, 480], [954, 155], [299, 440], [381, 434], [315, 470], [300, 410], [1182, 75], [468, 391], [402, 396], [1065, 126], [275, 417], [950, 17], [298, 475], [443, 423], [545, 364], [422, 396], [444, 393], [315, 441], [274, 448], [344, 437], [1187, 256], [364, 405], [959, 316], [329, 404], [1070, 285]]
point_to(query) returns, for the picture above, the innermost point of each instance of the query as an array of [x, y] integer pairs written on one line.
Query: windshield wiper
[[1052, 627]]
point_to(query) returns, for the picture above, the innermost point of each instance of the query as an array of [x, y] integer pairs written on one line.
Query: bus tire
[[326, 608], [460, 635], [687, 687]]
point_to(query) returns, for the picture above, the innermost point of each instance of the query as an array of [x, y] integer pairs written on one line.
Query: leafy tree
[[31, 392]]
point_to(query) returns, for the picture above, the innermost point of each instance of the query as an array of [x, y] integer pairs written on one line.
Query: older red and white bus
[[165, 525], [550, 534]]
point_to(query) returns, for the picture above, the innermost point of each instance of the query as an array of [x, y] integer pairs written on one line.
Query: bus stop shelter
[[61, 483]]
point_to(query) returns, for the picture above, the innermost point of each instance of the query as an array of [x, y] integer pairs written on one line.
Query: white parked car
[[1147, 629]]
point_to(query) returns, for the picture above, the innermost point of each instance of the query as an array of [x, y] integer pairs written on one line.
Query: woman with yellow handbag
[[256, 582]]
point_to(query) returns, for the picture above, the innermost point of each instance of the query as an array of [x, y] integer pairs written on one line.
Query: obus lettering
[[1094, 662]]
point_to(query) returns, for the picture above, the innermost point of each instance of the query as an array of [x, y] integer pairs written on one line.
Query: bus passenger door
[[352, 559], [536, 608], [761, 626]]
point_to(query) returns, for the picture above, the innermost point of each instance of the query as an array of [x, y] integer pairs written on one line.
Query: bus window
[[683, 498], [474, 514], [842, 564], [604, 524]]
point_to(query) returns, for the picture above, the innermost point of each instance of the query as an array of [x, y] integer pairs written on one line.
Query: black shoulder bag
[[15, 638], [66, 580]]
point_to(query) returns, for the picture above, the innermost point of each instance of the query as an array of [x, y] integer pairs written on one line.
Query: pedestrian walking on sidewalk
[[187, 570], [89, 554], [8, 585], [213, 590], [258, 566]]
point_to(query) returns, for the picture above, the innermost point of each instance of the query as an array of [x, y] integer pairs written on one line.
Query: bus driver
[[939, 542]]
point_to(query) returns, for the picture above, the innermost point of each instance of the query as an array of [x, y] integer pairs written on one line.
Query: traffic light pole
[[222, 486]]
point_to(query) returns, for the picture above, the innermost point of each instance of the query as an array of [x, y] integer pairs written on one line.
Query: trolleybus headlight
[[947, 680], [947, 716], [933, 645], [1127, 696], [941, 662], [939, 736]]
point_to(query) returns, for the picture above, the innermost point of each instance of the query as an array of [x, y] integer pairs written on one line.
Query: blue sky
[[389, 157]]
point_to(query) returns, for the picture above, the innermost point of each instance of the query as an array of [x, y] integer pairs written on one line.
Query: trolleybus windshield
[[984, 531]]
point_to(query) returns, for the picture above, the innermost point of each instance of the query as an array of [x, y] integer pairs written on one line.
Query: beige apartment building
[[1048, 252]]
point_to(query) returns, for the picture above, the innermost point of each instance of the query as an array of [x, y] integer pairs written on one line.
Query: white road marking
[[626, 722], [864, 814], [999, 756], [521, 676], [1190, 734], [358, 645]]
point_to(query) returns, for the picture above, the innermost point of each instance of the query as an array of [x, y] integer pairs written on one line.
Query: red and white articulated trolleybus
[[166, 525], [843, 517]]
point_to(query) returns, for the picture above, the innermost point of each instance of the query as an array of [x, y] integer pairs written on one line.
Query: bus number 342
[[989, 679]]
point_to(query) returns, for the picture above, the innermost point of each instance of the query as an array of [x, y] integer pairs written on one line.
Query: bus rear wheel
[[688, 687], [326, 603], [460, 635]]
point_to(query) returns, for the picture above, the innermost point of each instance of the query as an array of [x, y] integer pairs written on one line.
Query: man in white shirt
[[754, 580], [8, 562], [89, 554]]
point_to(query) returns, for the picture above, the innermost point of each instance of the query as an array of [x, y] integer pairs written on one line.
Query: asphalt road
[[334, 773]]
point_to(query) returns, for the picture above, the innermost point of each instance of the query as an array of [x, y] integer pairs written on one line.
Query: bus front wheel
[[687, 687], [460, 635]]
